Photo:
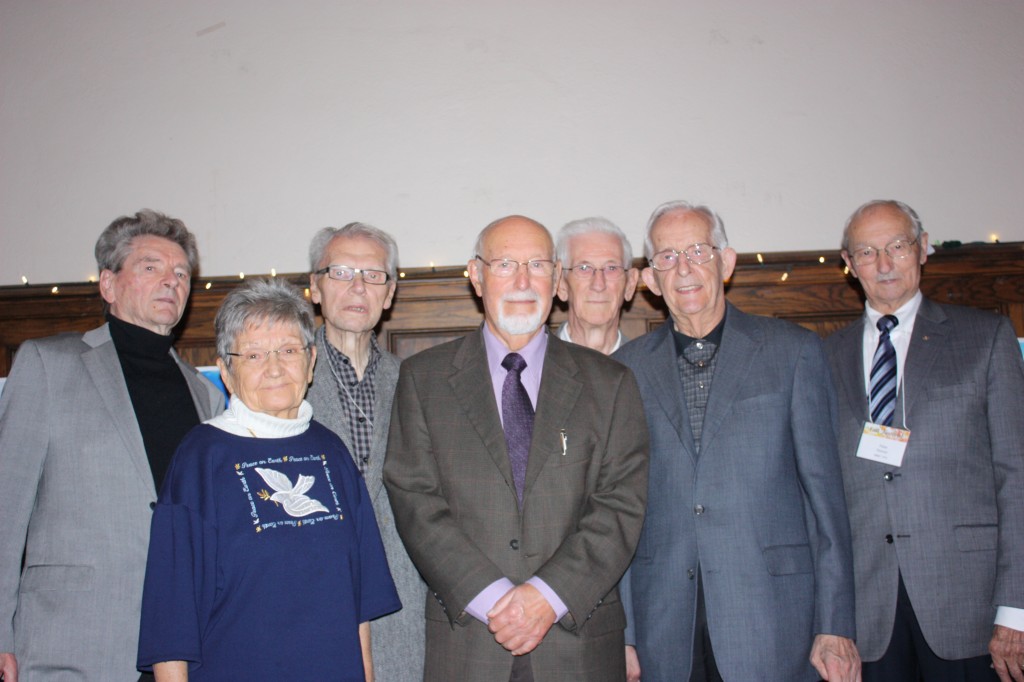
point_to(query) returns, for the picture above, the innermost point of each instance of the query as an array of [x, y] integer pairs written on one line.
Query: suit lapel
[[559, 390], [740, 342], [198, 389], [662, 373], [850, 376], [105, 370], [384, 387], [471, 384], [926, 342]]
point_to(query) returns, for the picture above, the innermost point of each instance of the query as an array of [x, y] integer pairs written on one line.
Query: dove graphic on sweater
[[292, 498]]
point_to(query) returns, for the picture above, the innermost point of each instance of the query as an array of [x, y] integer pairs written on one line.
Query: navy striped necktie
[[882, 383]]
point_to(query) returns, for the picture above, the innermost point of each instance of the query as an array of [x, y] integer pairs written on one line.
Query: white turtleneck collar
[[239, 420]]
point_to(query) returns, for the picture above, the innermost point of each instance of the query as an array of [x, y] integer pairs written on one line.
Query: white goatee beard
[[524, 323], [516, 325]]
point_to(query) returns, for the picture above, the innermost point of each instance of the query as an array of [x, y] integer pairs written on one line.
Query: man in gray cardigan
[[353, 278]]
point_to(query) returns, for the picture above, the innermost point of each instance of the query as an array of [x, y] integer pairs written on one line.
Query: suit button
[[699, 509], [152, 505], [888, 476], [888, 538], [690, 573], [514, 544]]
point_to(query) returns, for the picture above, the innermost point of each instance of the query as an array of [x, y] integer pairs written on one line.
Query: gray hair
[[115, 242], [259, 301], [478, 247], [585, 226], [322, 241], [718, 237], [913, 221]]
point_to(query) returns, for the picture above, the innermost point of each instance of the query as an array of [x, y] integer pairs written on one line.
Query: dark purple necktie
[[517, 419]]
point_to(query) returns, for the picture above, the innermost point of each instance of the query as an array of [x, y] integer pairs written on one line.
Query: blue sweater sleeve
[[181, 569], [377, 590]]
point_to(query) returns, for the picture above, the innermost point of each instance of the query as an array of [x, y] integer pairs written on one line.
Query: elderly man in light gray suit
[[353, 278], [938, 528], [88, 424], [743, 570]]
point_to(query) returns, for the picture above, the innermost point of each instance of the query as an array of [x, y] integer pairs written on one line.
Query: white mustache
[[519, 296]]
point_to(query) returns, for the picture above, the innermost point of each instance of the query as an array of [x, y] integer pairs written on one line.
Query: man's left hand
[[520, 619], [1007, 649], [836, 658]]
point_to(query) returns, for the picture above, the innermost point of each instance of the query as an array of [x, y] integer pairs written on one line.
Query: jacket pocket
[[976, 538], [951, 391], [788, 559], [55, 577]]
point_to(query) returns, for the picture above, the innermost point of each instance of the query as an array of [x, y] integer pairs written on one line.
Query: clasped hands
[[521, 619]]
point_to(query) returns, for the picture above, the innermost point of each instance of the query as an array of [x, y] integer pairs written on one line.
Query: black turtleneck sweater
[[160, 395]]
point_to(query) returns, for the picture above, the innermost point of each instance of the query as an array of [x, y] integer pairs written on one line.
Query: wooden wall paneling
[[433, 305]]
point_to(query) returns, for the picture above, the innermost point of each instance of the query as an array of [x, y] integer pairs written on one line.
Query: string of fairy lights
[[208, 285]]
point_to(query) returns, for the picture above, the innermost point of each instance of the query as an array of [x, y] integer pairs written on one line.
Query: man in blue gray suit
[[931, 439], [743, 570]]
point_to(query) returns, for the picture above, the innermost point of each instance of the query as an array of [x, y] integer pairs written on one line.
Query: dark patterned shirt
[[697, 359], [356, 397]]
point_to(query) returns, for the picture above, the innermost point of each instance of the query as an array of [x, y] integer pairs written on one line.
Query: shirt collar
[[339, 360], [563, 334], [532, 352], [905, 313]]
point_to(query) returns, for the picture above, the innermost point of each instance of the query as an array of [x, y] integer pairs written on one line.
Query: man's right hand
[[632, 664], [8, 668]]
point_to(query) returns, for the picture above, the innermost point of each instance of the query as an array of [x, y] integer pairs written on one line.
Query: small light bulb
[[785, 276], [208, 285], [241, 275], [24, 279], [273, 272], [821, 259], [401, 275], [760, 258], [55, 290]]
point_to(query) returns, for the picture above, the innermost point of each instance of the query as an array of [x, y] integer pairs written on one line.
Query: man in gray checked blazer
[[354, 274], [938, 538], [87, 422]]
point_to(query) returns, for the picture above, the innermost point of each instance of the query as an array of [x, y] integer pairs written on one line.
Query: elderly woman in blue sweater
[[265, 562]]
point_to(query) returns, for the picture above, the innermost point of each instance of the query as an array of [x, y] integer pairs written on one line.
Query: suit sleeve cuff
[[488, 597], [1010, 617], [556, 604]]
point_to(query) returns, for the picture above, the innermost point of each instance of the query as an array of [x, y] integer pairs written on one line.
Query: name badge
[[885, 444]]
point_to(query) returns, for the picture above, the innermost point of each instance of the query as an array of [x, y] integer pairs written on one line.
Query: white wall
[[259, 122]]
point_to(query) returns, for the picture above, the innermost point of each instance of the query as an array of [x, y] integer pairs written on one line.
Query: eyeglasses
[[587, 271], [698, 254], [898, 249], [285, 355], [506, 267], [344, 273]]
